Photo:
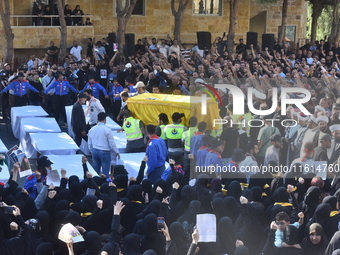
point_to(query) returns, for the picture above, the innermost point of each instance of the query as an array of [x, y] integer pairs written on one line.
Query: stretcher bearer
[[134, 130], [162, 121], [174, 132]]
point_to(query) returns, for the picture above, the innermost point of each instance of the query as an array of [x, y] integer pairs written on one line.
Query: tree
[[123, 16], [282, 32], [178, 14], [317, 7], [233, 6], [63, 31], [335, 22], [6, 22]]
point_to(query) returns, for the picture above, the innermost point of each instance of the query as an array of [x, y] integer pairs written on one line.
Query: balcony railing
[[35, 20]]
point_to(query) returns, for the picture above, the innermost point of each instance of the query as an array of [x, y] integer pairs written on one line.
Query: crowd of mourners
[[291, 211]]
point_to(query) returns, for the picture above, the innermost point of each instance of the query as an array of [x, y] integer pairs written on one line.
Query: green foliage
[[324, 22]]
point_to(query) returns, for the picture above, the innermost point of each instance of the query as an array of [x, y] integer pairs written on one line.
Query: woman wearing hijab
[[316, 242], [152, 239], [283, 198], [225, 236], [334, 244], [334, 217], [154, 207], [310, 202], [232, 208], [234, 190], [92, 242], [215, 185], [44, 249], [219, 208], [188, 219], [160, 194], [121, 181], [241, 250], [202, 193], [110, 249], [179, 244], [44, 220], [134, 204], [131, 244], [178, 207]]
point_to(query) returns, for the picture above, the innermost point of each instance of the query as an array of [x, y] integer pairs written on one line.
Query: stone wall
[[157, 22]]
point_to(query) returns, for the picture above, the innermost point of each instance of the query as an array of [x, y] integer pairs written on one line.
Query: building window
[[207, 7], [138, 10], [290, 32]]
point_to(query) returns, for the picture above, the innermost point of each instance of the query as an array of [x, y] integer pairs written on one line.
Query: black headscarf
[[219, 208], [188, 219], [64, 194], [152, 239], [232, 208], [153, 207], [111, 248], [44, 249], [257, 193], [331, 200], [202, 193], [179, 238], [215, 185], [73, 178], [234, 190], [93, 244], [131, 244], [44, 220], [225, 236], [311, 201], [135, 193], [248, 194], [147, 187], [334, 244], [241, 250]]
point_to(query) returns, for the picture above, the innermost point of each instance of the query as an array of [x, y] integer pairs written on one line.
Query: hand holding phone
[[160, 223]]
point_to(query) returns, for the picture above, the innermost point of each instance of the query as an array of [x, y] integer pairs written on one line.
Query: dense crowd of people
[[258, 208]]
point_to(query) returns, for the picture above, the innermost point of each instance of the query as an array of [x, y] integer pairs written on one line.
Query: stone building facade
[[157, 21]]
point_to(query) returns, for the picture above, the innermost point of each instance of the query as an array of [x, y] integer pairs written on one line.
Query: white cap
[[320, 108], [295, 112], [313, 119], [128, 65], [334, 128], [139, 84], [259, 95], [303, 117], [199, 80], [322, 118]]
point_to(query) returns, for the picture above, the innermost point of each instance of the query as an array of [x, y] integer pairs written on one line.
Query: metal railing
[[52, 20]]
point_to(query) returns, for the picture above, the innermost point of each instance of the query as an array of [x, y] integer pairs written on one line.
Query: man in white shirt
[[175, 48], [101, 143], [76, 51], [94, 107]]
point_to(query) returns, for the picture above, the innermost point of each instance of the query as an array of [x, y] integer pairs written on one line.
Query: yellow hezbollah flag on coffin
[[148, 106]]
